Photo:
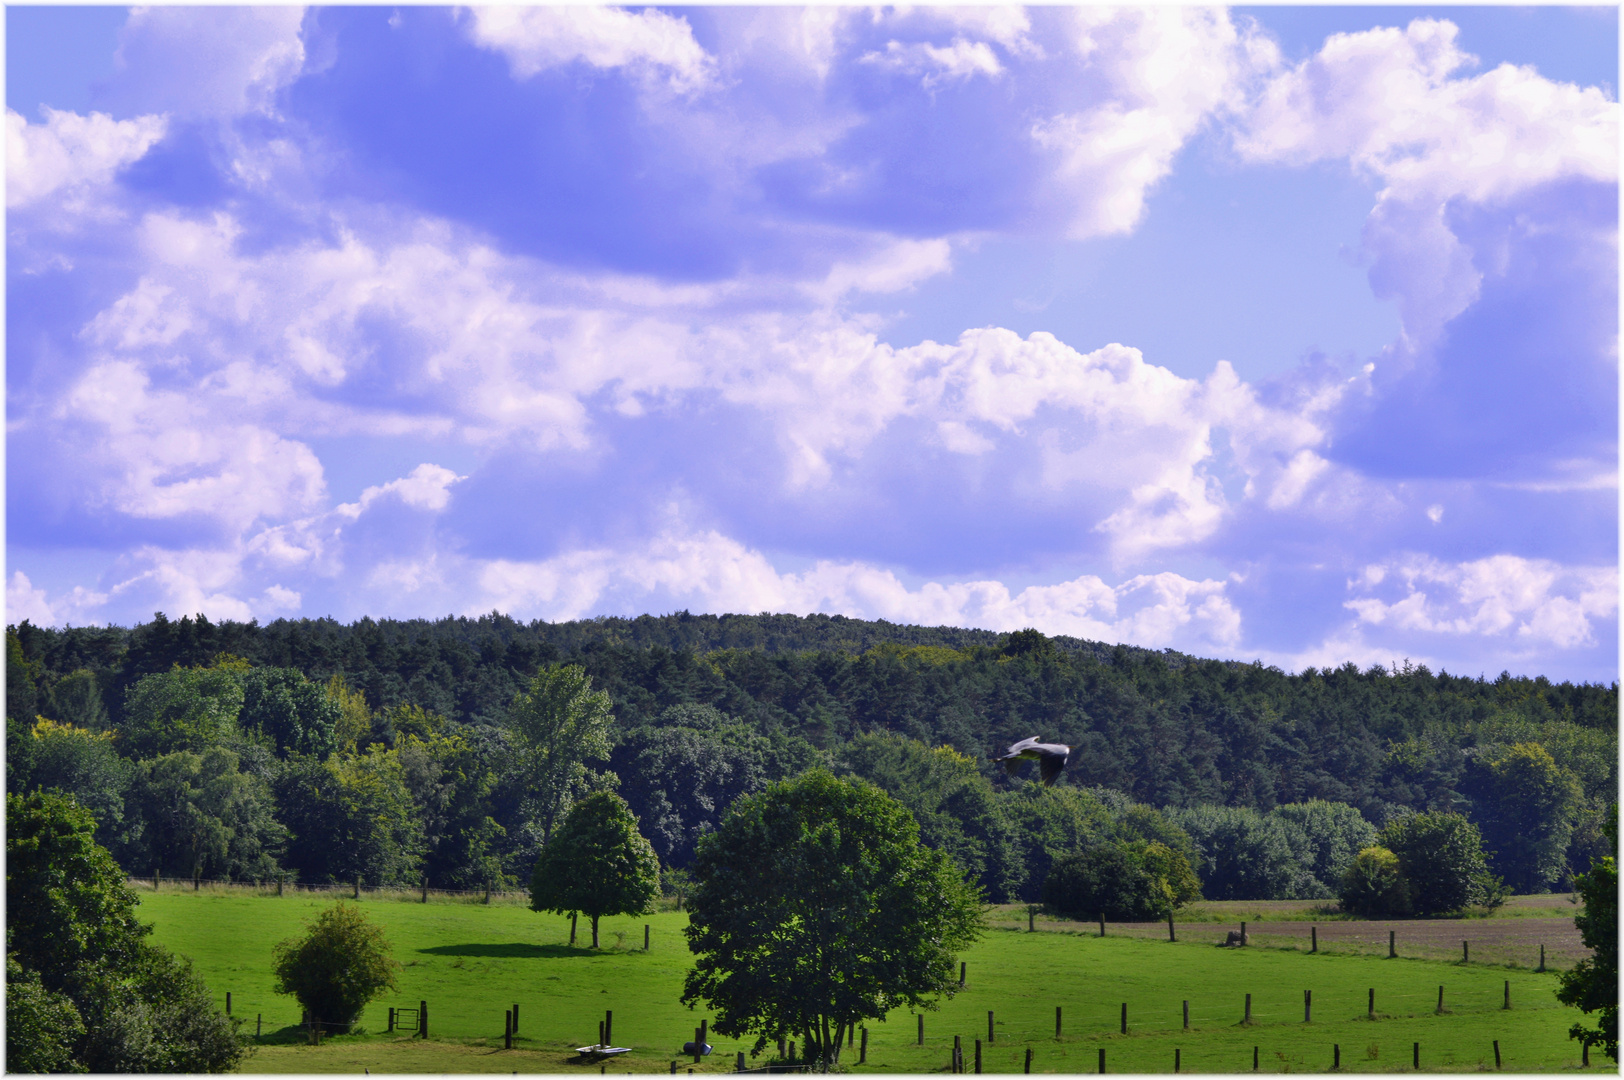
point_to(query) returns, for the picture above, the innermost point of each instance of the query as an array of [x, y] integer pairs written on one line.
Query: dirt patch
[[1514, 942]]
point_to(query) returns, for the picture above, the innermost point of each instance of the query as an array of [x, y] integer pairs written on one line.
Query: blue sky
[[1269, 333]]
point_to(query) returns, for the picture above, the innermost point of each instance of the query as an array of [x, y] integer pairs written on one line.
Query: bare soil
[[1511, 937]]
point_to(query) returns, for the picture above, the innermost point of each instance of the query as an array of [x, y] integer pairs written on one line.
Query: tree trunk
[[594, 931]]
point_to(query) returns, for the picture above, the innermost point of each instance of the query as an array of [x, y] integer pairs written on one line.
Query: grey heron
[[1051, 758]]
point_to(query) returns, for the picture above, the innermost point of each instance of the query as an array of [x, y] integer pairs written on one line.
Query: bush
[[1441, 858], [336, 968], [1374, 885], [1125, 882]]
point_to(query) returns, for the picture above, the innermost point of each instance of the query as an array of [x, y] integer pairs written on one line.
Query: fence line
[[269, 885]]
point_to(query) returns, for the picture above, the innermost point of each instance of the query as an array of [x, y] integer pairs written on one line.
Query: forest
[[394, 751]]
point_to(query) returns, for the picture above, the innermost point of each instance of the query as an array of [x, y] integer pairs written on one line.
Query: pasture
[[471, 961]]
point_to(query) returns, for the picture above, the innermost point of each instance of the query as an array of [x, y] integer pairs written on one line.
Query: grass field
[[471, 961]]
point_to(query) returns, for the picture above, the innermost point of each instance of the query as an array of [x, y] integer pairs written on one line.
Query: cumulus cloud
[[535, 39], [69, 152], [1535, 601], [713, 573], [1396, 106]]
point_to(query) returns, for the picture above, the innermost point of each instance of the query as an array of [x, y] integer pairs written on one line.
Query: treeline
[[387, 750]]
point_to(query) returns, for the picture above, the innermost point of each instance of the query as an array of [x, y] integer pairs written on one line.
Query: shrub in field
[[341, 964], [1442, 860], [817, 907], [596, 863], [1373, 885], [84, 990], [1126, 882]]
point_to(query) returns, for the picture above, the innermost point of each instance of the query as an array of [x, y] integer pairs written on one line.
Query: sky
[[1264, 333]]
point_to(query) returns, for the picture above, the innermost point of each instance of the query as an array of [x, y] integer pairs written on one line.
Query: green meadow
[[471, 961]]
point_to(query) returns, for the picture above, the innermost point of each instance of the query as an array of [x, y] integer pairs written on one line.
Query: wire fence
[[291, 887]]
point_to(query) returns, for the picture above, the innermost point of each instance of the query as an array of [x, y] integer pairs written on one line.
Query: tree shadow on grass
[[515, 951]]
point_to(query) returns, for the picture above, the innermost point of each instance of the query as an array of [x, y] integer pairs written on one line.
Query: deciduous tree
[[815, 907], [596, 863], [559, 723], [1592, 983], [1441, 858]]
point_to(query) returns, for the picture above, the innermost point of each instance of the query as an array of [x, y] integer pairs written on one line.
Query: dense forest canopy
[[386, 748]]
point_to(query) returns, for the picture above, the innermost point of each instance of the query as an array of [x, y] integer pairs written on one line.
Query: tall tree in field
[[596, 863], [817, 907], [559, 723], [1525, 804], [1592, 984]]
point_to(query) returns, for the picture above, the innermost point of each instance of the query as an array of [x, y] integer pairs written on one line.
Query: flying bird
[[1051, 758]]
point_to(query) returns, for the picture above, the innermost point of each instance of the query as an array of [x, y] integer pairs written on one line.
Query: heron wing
[[1050, 766], [1012, 765]]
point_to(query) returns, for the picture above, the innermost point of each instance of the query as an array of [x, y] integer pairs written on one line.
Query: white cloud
[[535, 39], [427, 487], [1163, 71], [936, 64], [1537, 601], [69, 153], [713, 573], [1394, 105], [217, 62]]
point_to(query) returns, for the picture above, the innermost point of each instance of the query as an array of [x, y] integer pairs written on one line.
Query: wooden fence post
[[992, 1036], [608, 1027], [1497, 1053], [515, 1018], [738, 1064], [1124, 1018], [259, 1024], [1336, 1056], [1415, 1060], [1102, 1061], [1372, 1013], [1102, 934], [1313, 939], [921, 1029], [1186, 1014], [279, 884], [1057, 1021], [1541, 958], [645, 937], [1248, 1018], [1254, 1059], [1171, 936], [1392, 944], [1308, 1006], [1508, 994], [1176, 1062], [391, 1027], [425, 888], [423, 1019], [1028, 1060], [958, 1054], [228, 1002], [978, 1057], [157, 879], [357, 894], [507, 1029], [963, 967], [1243, 934], [862, 1049], [1440, 999]]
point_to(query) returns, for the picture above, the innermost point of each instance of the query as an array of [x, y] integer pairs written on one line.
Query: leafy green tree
[[341, 963], [77, 699], [559, 723], [1525, 804], [1592, 983], [71, 931], [1441, 858], [1374, 885], [181, 709], [1242, 854], [1127, 882], [596, 863], [22, 697], [42, 1026], [83, 764], [954, 804], [816, 907], [203, 817], [299, 716], [351, 815], [1333, 834], [679, 779], [1051, 822]]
